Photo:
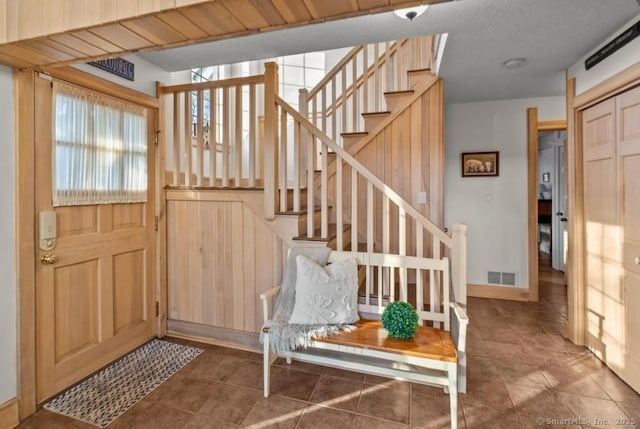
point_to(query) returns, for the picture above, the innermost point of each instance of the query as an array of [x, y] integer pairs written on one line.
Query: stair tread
[[382, 113], [331, 233], [355, 133], [426, 69], [399, 92]]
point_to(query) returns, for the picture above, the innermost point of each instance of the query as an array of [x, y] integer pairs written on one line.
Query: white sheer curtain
[[100, 149]]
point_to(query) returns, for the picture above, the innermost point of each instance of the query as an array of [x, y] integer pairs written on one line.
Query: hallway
[[522, 374]]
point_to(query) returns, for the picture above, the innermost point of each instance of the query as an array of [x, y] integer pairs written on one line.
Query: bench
[[430, 357]]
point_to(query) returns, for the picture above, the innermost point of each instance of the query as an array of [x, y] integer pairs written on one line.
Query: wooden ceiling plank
[[37, 46], [269, 12], [154, 30], [322, 9], [246, 13], [99, 42], [23, 52], [202, 20], [223, 18], [48, 41], [77, 44], [12, 61], [121, 36], [293, 12], [372, 4], [182, 24]]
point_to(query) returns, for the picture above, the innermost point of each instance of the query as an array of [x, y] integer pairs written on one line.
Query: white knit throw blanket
[[282, 335]]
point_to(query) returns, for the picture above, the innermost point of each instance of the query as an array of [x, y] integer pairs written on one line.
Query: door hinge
[[157, 308], [156, 221]]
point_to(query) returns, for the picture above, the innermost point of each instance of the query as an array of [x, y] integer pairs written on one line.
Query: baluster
[[434, 281], [296, 167], [226, 129], [388, 68], [324, 210], [213, 146], [376, 77], [354, 210], [283, 160], [187, 136], [252, 135], [334, 115], [323, 123], [419, 273], [402, 245], [354, 94], [304, 111], [200, 137], [343, 107], [310, 145], [339, 196], [177, 153], [386, 239], [237, 146], [365, 80], [370, 238]]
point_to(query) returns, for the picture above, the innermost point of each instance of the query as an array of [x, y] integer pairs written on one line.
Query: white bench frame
[[394, 365]]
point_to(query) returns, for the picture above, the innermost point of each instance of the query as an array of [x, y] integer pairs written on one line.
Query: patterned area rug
[[106, 395]]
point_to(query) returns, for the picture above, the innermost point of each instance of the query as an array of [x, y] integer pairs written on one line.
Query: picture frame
[[480, 164]]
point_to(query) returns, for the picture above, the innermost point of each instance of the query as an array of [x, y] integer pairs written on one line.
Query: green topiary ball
[[400, 320]]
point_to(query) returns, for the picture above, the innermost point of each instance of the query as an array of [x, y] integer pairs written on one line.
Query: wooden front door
[[96, 301]]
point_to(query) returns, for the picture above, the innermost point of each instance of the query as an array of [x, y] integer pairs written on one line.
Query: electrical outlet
[[422, 198]]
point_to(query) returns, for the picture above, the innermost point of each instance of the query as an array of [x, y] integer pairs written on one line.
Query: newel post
[[459, 263], [270, 139]]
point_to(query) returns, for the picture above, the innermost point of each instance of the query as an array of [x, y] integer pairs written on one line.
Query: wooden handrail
[[364, 172], [227, 83]]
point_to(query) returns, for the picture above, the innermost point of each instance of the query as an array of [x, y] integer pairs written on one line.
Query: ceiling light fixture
[[411, 13], [514, 63]]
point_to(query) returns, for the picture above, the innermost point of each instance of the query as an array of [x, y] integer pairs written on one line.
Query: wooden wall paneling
[[149, 6], [9, 413], [55, 54], [252, 313], [25, 53], [3, 21], [26, 238], [177, 261], [435, 196], [78, 14], [237, 282], [198, 238], [323, 8]]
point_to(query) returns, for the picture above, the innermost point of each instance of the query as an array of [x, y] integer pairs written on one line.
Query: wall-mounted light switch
[[422, 198]]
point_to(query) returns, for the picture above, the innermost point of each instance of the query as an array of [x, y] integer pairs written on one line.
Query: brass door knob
[[48, 258]]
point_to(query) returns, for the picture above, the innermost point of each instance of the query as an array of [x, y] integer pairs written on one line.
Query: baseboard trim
[[498, 292], [9, 416], [241, 340]]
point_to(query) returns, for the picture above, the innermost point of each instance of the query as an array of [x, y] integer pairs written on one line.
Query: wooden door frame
[[533, 128], [576, 266], [26, 251]]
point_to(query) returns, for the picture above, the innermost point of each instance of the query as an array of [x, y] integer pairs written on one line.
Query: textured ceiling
[[550, 34]]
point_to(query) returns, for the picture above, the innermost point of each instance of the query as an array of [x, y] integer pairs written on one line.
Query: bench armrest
[[462, 321], [265, 297]]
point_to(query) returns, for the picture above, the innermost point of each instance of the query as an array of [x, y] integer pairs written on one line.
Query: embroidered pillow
[[325, 295]]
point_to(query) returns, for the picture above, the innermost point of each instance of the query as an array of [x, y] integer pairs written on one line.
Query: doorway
[[536, 191]]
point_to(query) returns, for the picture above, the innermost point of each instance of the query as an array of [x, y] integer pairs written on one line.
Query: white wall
[[8, 287], [493, 208], [146, 75], [618, 61]]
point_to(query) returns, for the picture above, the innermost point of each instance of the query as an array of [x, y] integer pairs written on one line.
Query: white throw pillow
[[325, 295]]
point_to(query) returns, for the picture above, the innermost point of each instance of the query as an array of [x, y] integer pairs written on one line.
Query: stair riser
[[372, 121], [395, 99], [303, 199], [302, 221], [416, 76]]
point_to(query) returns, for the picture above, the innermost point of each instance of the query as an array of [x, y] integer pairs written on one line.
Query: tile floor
[[522, 374]]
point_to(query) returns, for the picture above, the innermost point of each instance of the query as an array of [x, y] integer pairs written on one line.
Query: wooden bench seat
[[430, 357]]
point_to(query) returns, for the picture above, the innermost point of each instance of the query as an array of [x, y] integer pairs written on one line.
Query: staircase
[[344, 171]]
